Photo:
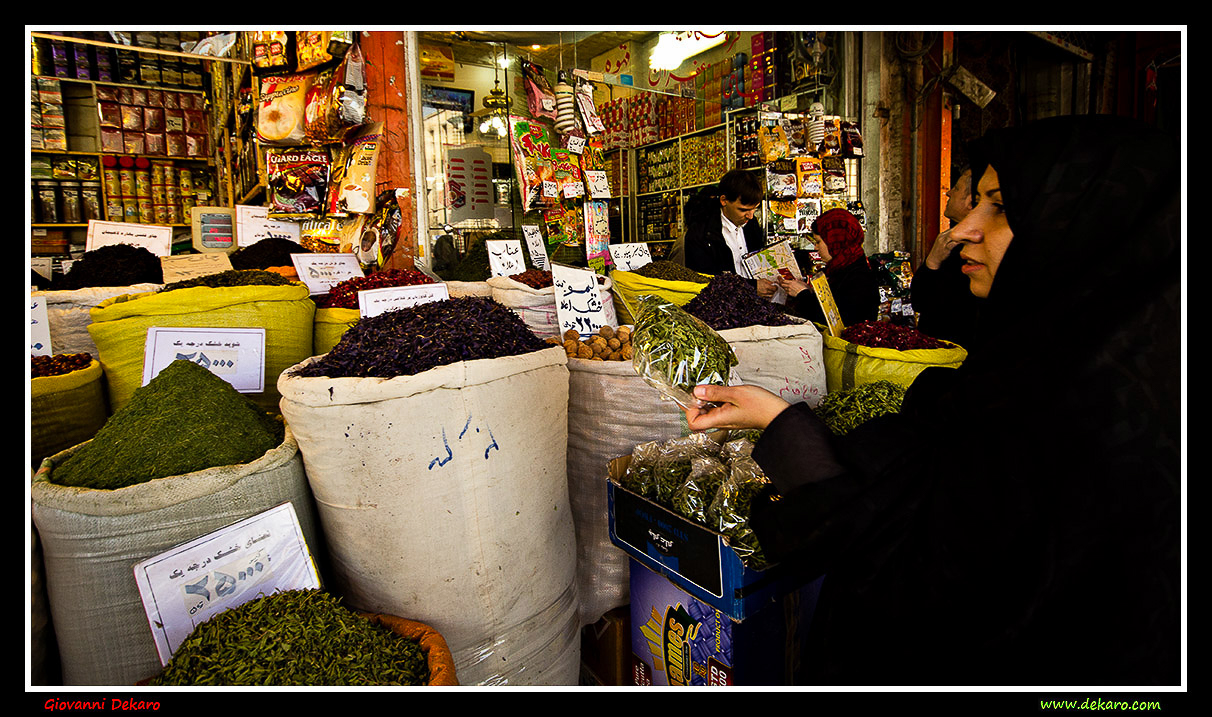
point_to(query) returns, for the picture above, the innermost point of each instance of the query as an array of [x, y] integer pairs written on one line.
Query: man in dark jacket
[[720, 228]]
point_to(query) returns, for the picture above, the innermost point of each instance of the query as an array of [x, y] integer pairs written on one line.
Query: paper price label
[[599, 188], [39, 328], [321, 272], [373, 302], [183, 587], [155, 238], [534, 242], [188, 266], [234, 355], [253, 224], [579, 304], [505, 257], [630, 256]]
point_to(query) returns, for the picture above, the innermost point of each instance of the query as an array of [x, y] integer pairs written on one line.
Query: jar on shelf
[[90, 201], [69, 195], [47, 193]]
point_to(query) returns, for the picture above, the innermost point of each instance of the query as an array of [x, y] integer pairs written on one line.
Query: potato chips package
[[270, 50], [772, 143], [811, 180], [282, 109], [834, 170], [297, 182]]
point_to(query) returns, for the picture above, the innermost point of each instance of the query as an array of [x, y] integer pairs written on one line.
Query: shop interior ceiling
[[557, 48]]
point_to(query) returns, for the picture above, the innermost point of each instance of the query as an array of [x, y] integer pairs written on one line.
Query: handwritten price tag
[[155, 238], [505, 257], [534, 241], [630, 256], [578, 300]]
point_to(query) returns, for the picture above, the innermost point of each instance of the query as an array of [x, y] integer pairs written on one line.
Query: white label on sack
[[39, 328], [373, 302], [183, 587], [234, 355]]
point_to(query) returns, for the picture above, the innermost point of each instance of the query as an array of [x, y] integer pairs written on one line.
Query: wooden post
[[387, 101]]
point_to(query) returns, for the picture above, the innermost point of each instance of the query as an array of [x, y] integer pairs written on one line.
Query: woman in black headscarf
[[1039, 545]]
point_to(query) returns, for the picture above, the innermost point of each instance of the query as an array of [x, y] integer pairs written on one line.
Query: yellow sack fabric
[[629, 286], [119, 328], [848, 365], [330, 326], [66, 410]]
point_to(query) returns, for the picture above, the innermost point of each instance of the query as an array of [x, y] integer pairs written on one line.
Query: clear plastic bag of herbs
[[657, 469], [729, 511], [674, 351]]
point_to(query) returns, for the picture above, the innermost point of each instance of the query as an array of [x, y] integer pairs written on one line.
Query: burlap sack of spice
[[848, 364], [629, 287], [610, 410], [443, 496], [66, 410], [119, 329], [330, 325], [68, 317], [92, 539], [788, 361]]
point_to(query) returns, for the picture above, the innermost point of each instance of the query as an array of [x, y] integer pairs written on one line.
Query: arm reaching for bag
[[741, 407]]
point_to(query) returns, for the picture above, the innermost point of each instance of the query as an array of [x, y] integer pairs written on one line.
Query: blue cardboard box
[[678, 640], [694, 557]]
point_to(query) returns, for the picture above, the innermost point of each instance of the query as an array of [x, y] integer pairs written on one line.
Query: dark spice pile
[[345, 294], [112, 265], [887, 335], [730, 302], [670, 271], [408, 341], [844, 411], [185, 419], [294, 637], [234, 277], [58, 364], [271, 251]]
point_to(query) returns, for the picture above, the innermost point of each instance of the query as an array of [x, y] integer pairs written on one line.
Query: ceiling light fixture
[[674, 48]]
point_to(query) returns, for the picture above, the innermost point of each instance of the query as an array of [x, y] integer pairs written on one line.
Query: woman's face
[[821, 248], [985, 235]]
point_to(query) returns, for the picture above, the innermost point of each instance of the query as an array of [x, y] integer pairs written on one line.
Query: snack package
[[852, 140], [782, 181], [674, 351], [311, 48], [353, 188], [567, 167], [282, 109], [772, 143], [336, 103], [834, 172], [332, 235], [270, 50], [810, 176], [589, 111], [540, 98], [797, 137], [297, 182], [832, 144], [532, 160]]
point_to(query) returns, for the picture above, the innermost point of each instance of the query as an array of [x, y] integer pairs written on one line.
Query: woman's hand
[[742, 407], [793, 287], [766, 288]]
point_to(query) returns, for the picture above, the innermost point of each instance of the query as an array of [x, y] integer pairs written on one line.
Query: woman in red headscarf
[[855, 287]]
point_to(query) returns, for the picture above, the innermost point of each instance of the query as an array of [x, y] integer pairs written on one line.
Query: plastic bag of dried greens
[[654, 464], [674, 351], [694, 497], [729, 512]]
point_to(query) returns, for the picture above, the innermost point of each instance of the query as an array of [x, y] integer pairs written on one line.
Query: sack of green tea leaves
[[92, 539], [119, 329]]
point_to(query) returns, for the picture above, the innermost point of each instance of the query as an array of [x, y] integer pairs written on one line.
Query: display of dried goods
[[112, 265], [608, 344], [671, 271], [844, 410], [271, 251], [58, 364], [298, 638], [534, 278], [887, 335], [232, 277], [730, 302], [344, 295], [185, 419], [408, 341]]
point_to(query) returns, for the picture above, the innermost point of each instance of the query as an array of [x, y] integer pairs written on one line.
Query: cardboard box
[[606, 650], [677, 640], [696, 558]]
